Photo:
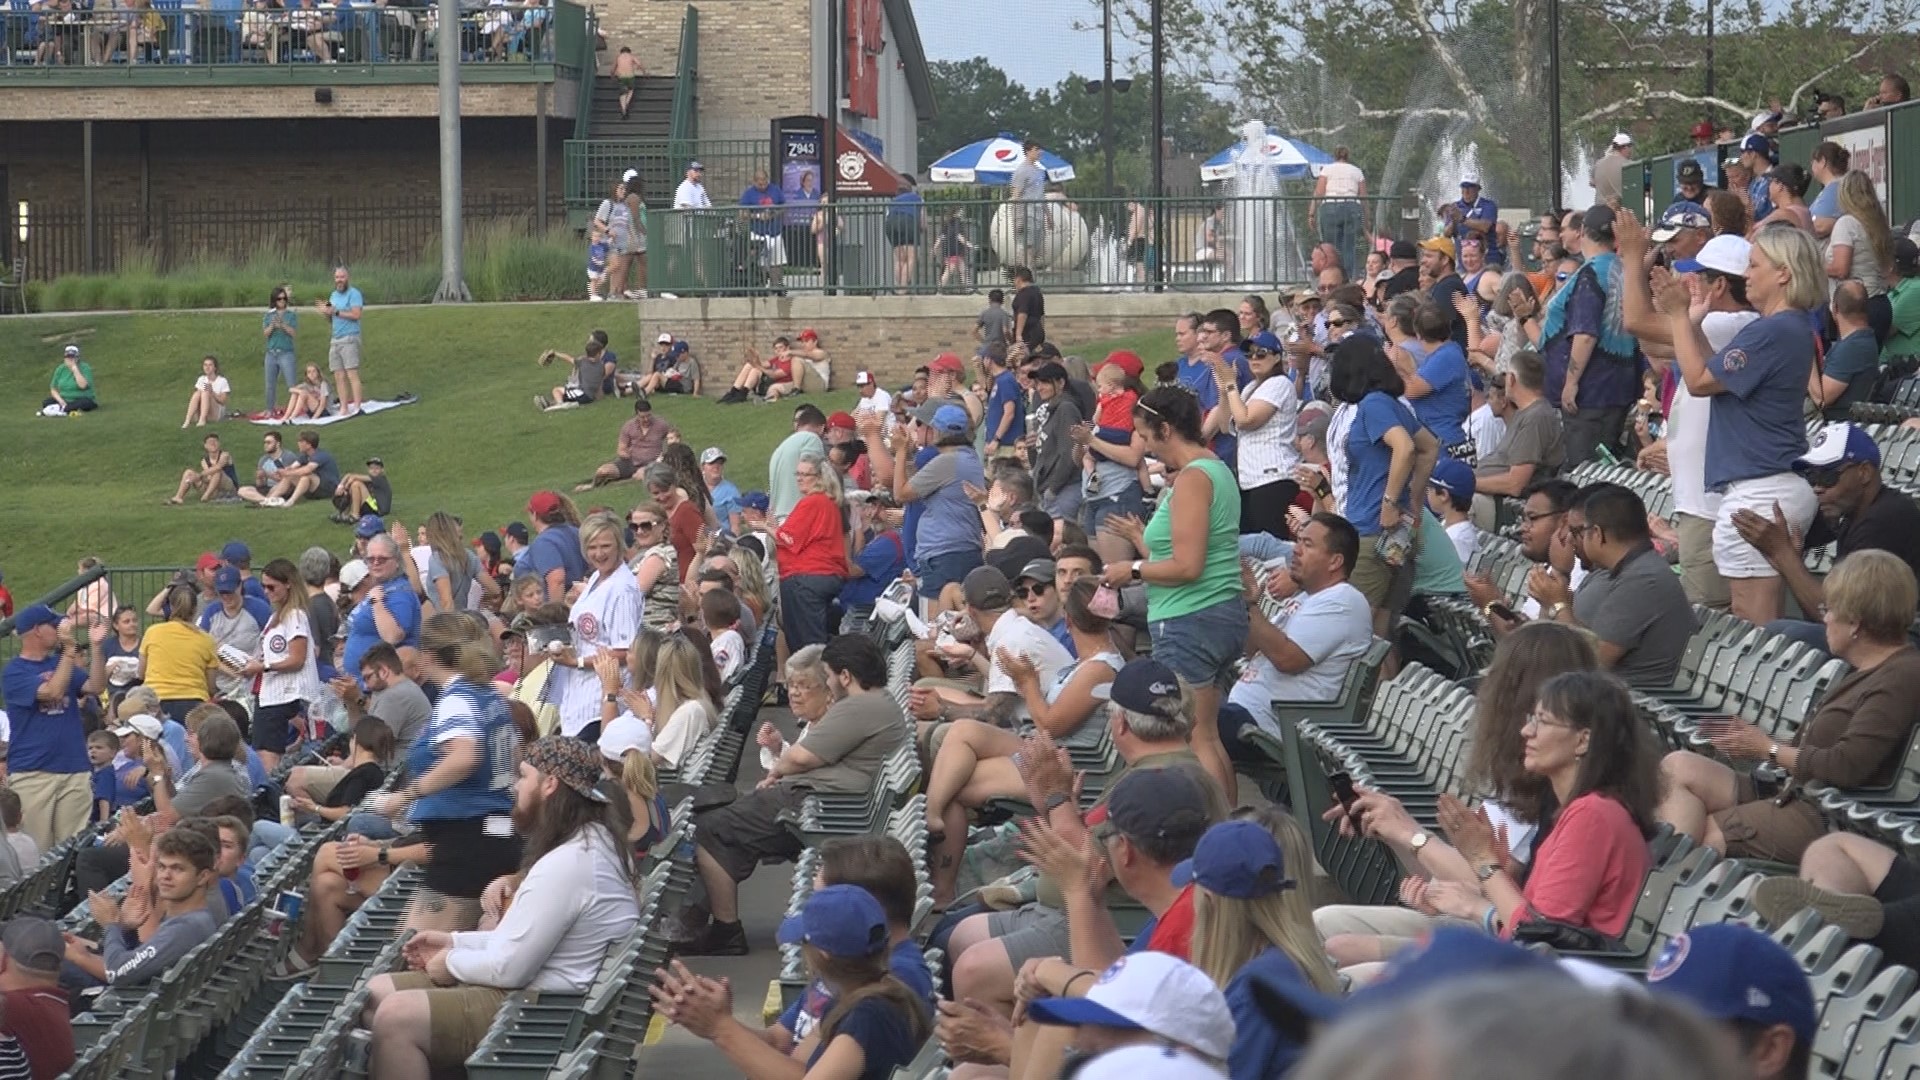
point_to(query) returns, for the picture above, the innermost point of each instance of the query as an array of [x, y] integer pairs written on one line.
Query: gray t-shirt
[[1029, 182], [404, 706], [241, 632], [854, 739], [131, 962], [212, 780], [1533, 438], [996, 324], [1638, 606], [589, 372], [1054, 469], [1848, 232]]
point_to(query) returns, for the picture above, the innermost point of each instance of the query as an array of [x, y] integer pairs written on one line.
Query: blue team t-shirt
[[104, 783], [766, 196], [124, 789], [1259, 1049], [1444, 410], [885, 1036], [910, 521], [1756, 426], [1006, 391], [466, 711], [1064, 636], [1757, 191], [906, 963], [1198, 377], [726, 502], [46, 738], [557, 548], [1827, 203], [880, 562], [1368, 458], [363, 633], [346, 301], [951, 523]]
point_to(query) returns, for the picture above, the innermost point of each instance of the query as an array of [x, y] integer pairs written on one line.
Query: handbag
[[1561, 936]]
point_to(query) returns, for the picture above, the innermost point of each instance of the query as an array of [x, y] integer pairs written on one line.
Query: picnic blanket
[[367, 408]]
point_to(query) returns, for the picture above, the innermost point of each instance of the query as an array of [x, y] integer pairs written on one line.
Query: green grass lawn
[[96, 484]]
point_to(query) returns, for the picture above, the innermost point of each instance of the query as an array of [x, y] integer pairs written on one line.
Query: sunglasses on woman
[[1336, 324], [645, 524]]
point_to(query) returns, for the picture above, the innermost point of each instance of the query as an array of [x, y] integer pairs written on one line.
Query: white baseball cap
[[863, 378], [712, 454], [352, 574], [71, 350], [1621, 138], [625, 732], [1723, 254], [1152, 992], [1159, 1062], [628, 176], [140, 724], [664, 339]]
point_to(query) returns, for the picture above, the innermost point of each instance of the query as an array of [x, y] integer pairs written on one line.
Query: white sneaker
[[596, 299], [273, 500], [669, 296], [635, 294]]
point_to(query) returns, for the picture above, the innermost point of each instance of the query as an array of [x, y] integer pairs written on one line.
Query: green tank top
[[1220, 580]]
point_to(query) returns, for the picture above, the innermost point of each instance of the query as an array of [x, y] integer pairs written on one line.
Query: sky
[[961, 29]]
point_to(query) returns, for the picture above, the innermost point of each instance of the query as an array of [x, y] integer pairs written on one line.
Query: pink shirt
[[1590, 869]]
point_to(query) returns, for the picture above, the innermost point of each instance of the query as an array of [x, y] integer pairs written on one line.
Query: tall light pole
[[1107, 86], [1158, 122], [453, 280], [1553, 93], [1709, 48]]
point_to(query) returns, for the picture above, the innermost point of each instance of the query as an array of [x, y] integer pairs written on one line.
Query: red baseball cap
[[207, 561], [1126, 361], [809, 335], [543, 503], [841, 420], [947, 361], [1703, 130]]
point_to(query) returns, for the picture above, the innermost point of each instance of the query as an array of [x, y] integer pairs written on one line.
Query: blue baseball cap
[[756, 500], [236, 553], [1838, 445], [1265, 339], [1236, 859], [1450, 954], [1756, 143], [368, 527], [1453, 476], [839, 920], [1684, 214], [33, 617], [1733, 972], [950, 420], [226, 580]]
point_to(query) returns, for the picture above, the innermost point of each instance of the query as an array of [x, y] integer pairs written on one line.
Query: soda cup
[[285, 910], [286, 811]]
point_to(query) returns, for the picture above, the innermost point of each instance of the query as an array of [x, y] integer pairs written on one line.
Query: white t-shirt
[[1849, 232], [1019, 635], [881, 402], [690, 195], [1338, 426], [217, 383], [1267, 453], [686, 727], [729, 648], [1486, 430], [1466, 539], [1333, 627], [573, 907], [1531, 607], [1687, 419], [606, 616], [1343, 179], [276, 647]]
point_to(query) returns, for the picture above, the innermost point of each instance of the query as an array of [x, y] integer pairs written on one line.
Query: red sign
[[866, 38], [858, 172]]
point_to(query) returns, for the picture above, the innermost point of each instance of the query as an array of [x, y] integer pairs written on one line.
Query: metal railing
[[958, 245], [593, 165], [686, 116], [134, 585], [62, 34]]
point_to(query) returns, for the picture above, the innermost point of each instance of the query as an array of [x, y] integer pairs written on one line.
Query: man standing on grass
[[343, 352]]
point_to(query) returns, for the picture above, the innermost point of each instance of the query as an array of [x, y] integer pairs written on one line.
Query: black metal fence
[[135, 585], [177, 234]]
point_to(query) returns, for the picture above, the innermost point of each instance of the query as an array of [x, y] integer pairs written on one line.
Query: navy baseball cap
[[235, 553], [1142, 686], [226, 580], [1756, 143], [34, 617], [368, 527], [1453, 476], [1236, 859], [1158, 802], [1733, 972], [515, 529], [1838, 445], [756, 500], [839, 920]]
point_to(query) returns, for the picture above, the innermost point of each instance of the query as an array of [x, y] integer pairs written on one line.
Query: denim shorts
[[1131, 500], [1201, 647], [950, 568]]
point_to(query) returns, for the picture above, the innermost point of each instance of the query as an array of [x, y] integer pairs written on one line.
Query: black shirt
[[363, 781], [1443, 292], [1030, 303], [1891, 522], [380, 493], [1402, 281]]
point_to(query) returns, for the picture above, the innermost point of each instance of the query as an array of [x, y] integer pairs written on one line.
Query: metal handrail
[[686, 70]]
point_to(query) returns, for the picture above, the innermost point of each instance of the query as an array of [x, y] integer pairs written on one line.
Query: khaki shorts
[[322, 779], [457, 1016], [1371, 575], [343, 353], [1698, 576]]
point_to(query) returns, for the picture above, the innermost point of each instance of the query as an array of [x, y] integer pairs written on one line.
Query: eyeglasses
[[1529, 517], [370, 559], [1578, 530], [1538, 719], [1022, 592]]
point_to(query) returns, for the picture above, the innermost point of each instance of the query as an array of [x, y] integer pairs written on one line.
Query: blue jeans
[[267, 835], [1340, 226], [805, 600], [1812, 634], [279, 370], [1234, 718], [950, 568], [1131, 500], [1200, 647]]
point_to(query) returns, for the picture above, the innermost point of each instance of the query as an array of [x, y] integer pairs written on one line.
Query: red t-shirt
[[1116, 410], [1590, 869], [782, 367], [683, 531], [1173, 933], [41, 1022], [812, 541]]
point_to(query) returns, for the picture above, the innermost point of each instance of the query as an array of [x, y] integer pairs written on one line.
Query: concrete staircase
[[649, 117]]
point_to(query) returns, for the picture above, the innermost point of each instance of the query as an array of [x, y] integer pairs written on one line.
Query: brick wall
[[258, 102], [754, 57], [271, 160], [892, 335]]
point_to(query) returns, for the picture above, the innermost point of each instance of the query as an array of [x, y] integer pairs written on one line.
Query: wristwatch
[[1554, 611], [1486, 870], [1055, 801], [1773, 753], [613, 699], [382, 854], [1136, 569], [1417, 841]]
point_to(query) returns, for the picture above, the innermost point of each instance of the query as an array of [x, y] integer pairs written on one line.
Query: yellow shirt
[[177, 657]]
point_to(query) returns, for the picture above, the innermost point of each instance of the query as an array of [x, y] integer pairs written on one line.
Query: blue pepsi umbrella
[[1289, 158], [992, 161]]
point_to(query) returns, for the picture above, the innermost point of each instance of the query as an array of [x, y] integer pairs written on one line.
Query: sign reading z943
[[802, 147]]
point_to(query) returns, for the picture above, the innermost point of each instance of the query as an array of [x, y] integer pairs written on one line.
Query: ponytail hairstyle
[[636, 775], [182, 602], [457, 643], [854, 979]]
